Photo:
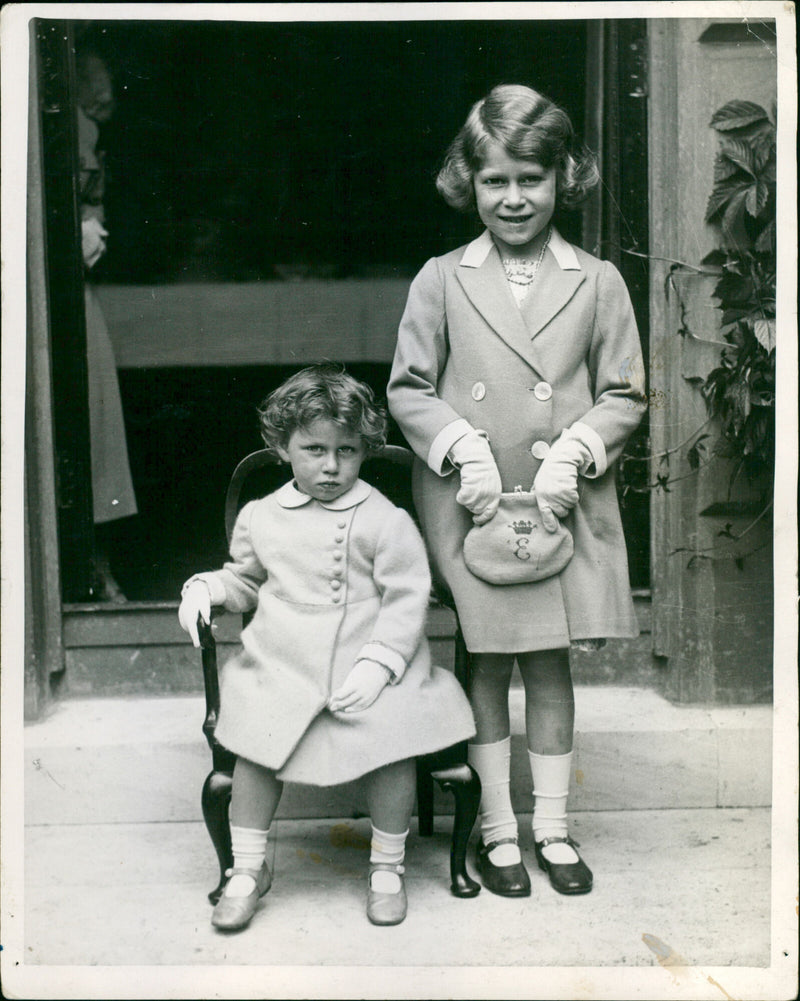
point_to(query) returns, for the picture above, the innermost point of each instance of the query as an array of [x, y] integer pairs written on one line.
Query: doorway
[[301, 156]]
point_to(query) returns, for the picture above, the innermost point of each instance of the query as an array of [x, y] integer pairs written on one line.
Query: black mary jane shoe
[[505, 880], [565, 877]]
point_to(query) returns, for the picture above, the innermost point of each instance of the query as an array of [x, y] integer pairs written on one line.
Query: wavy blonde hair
[[528, 126]]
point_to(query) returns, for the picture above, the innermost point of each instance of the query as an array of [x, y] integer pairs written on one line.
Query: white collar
[[475, 253], [289, 496]]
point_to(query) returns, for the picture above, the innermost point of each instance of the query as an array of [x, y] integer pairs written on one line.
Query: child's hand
[[556, 483], [480, 479], [360, 688], [196, 601]]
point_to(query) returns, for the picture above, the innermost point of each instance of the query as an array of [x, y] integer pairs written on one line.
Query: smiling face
[[515, 200], [325, 458]]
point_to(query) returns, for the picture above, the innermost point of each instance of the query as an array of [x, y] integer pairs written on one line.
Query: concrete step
[[142, 759], [139, 649]]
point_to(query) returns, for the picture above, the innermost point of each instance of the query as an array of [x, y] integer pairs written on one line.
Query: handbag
[[515, 547]]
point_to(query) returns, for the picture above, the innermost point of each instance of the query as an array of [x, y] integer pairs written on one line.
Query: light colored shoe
[[234, 913], [386, 908]]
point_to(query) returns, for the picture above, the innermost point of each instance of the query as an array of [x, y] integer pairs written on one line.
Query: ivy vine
[[739, 392]]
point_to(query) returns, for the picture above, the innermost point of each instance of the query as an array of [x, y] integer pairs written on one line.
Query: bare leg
[[549, 725], [390, 796], [549, 701], [254, 799], [490, 677], [255, 796], [489, 753]]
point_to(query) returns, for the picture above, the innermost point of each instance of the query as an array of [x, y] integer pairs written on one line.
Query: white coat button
[[341, 524], [478, 392], [337, 571], [336, 598], [336, 584], [338, 538], [338, 554], [539, 449], [542, 391]]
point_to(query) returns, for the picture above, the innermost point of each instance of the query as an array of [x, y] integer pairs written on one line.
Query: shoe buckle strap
[[557, 841], [501, 841], [396, 867]]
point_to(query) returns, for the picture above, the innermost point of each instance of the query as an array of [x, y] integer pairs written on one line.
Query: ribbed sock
[[551, 774], [391, 849], [492, 762], [249, 851]]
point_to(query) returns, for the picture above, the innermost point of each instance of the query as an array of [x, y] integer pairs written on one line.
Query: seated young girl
[[334, 680]]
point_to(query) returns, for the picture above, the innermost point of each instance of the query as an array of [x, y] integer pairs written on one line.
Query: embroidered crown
[[522, 527]]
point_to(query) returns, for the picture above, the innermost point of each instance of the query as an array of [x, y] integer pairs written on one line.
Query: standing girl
[[334, 681], [518, 362]]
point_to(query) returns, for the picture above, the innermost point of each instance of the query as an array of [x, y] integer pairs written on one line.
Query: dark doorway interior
[[265, 152]]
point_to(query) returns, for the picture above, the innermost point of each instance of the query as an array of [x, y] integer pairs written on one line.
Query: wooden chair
[[389, 471]]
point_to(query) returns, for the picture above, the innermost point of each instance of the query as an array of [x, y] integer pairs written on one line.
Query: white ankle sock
[[492, 762], [391, 849], [249, 851], [551, 774]]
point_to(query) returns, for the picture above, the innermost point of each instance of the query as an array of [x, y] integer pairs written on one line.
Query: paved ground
[[118, 864], [674, 889]]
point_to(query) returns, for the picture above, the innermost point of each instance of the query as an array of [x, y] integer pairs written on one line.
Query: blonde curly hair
[[322, 392]]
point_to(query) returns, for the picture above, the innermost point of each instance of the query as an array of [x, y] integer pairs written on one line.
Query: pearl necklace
[[521, 271]]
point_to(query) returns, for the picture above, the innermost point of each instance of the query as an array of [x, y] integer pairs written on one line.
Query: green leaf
[[757, 198], [765, 243], [765, 333], [724, 168], [722, 195], [740, 153], [715, 258], [737, 115], [733, 221]]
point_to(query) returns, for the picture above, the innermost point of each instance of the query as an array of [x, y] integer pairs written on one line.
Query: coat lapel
[[554, 287], [482, 277]]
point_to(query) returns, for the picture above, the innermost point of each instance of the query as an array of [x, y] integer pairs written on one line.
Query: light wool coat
[[330, 583], [468, 355]]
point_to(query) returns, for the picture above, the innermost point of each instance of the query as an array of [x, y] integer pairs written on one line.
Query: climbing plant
[[740, 391]]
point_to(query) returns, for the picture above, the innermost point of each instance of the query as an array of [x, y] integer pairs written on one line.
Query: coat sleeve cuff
[[592, 440], [386, 657], [443, 442], [215, 586]]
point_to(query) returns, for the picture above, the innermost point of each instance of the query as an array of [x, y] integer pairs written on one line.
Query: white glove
[[196, 600], [93, 241], [360, 688], [556, 483], [480, 480]]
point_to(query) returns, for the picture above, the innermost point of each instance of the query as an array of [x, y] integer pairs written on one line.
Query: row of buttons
[[542, 391], [337, 571]]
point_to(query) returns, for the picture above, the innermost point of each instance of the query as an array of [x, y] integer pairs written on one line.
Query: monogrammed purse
[[515, 547]]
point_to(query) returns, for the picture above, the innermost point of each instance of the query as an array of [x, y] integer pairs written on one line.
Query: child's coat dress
[[330, 582], [571, 353]]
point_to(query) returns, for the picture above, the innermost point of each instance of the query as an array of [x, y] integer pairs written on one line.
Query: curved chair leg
[[463, 782], [215, 799]]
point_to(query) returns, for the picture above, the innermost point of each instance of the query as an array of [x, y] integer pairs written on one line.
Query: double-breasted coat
[[331, 583], [468, 356]]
